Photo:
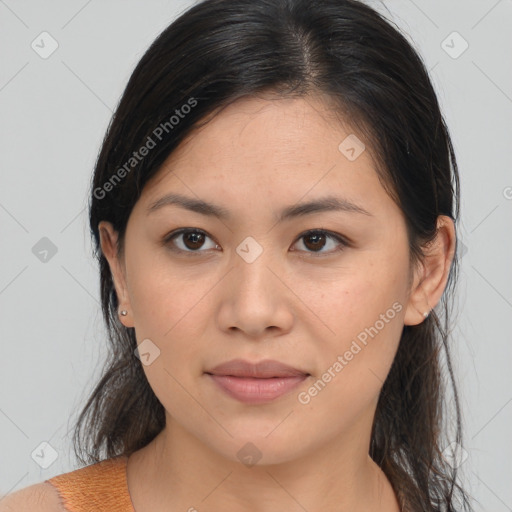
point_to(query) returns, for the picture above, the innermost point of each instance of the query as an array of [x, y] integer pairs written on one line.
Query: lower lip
[[256, 391]]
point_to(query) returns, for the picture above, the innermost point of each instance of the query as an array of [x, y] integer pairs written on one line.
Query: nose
[[256, 299]]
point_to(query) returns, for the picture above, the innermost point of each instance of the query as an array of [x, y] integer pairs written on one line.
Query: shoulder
[[101, 486], [42, 497]]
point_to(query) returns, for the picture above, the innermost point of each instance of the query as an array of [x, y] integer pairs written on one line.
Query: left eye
[[190, 240], [317, 239]]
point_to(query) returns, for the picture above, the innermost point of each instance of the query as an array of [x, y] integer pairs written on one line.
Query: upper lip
[[263, 369]]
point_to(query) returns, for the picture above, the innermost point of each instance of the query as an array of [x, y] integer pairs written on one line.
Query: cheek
[[162, 295], [364, 311], [172, 307], [170, 310], [346, 301], [354, 363]]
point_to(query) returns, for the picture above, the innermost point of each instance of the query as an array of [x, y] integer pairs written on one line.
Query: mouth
[[256, 383]]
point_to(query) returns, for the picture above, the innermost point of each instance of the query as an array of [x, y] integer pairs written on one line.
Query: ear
[[432, 274], [109, 247]]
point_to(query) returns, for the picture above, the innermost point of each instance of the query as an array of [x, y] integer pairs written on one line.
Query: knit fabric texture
[[100, 487]]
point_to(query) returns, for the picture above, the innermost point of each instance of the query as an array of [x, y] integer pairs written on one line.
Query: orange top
[[100, 487]]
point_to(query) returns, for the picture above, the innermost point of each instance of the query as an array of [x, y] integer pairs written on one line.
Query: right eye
[[188, 240]]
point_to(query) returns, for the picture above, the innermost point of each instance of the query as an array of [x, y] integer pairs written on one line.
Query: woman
[[274, 210]]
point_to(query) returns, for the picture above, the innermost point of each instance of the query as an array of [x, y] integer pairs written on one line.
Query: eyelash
[[168, 241]]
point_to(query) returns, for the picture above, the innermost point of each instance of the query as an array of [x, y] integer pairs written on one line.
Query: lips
[[256, 383], [262, 370]]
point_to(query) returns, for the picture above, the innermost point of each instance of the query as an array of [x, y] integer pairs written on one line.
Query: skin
[[254, 159]]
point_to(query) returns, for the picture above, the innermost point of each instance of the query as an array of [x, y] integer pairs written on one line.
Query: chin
[[259, 449]]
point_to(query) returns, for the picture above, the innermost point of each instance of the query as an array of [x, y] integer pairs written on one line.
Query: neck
[[177, 472]]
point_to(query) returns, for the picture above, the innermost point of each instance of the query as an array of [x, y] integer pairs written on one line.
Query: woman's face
[[252, 284]]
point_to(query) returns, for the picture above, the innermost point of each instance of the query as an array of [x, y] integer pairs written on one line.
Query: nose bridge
[[252, 263], [256, 300]]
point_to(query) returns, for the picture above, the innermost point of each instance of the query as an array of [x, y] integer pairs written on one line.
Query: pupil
[[318, 238], [196, 239]]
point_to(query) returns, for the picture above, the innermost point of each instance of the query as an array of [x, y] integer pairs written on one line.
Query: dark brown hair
[[222, 50]]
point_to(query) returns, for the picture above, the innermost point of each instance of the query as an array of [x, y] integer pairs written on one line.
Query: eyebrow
[[324, 204]]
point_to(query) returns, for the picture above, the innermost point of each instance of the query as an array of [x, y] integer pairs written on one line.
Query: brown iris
[[318, 241], [193, 240]]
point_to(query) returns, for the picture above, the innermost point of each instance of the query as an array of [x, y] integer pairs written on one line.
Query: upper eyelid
[[183, 231]]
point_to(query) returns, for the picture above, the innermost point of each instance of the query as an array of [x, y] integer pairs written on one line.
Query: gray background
[[53, 115]]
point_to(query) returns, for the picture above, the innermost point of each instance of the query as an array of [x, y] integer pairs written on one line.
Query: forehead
[[270, 151], [271, 127]]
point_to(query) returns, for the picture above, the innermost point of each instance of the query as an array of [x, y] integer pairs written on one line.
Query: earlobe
[[432, 275], [109, 248]]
